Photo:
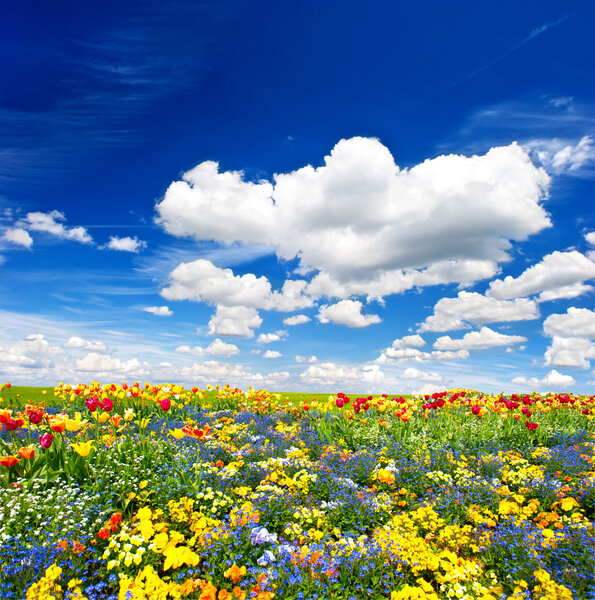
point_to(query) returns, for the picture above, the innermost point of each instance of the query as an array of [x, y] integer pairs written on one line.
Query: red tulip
[[165, 404], [107, 404], [46, 440]]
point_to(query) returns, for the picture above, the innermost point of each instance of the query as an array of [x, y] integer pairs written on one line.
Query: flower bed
[[162, 492]]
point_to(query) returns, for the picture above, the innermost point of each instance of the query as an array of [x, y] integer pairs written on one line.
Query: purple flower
[[260, 535]]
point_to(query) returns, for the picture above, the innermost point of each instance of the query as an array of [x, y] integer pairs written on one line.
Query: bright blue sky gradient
[[114, 269]]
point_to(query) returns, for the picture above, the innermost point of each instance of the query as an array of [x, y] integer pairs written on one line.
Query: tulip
[[75, 424], [83, 448], [177, 433], [128, 414], [46, 440], [8, 461], [103, 417], [35, 418], [108, 404], [116, 420], [165, 404], [92, 403], [58, 423], [27, 452]]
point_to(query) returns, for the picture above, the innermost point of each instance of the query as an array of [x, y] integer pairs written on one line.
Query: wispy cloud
[[107, 78], [534, 33]]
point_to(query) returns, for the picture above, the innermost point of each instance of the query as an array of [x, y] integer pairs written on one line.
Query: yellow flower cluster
[[47, 588]]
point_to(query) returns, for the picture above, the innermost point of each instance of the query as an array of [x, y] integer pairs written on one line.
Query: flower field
[[129, 492]]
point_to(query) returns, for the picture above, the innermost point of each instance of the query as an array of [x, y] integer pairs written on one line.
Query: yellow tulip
[[177, 433], [103, 417], [128, 414], [83, 448], [75, 424]]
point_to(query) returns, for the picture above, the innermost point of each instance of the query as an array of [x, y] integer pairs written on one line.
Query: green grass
[[18, 395]]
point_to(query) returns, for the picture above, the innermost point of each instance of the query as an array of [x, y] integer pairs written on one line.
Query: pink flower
[[92, 403], [165, 404], [46, 440], [107, 404]]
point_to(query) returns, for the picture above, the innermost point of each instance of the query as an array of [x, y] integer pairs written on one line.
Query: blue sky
[[378, 197]]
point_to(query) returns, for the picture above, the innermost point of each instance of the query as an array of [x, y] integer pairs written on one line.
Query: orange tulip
[[27, 452], [8, 461]]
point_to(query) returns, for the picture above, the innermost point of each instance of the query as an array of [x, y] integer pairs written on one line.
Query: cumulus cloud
[[158, 311], [577, 322], [590, 237], [478, 340], [409, 341], [471, 308], [296, 320], [83, 344], [551, 275], [201, 281], [559, 156], [402, 355], [360, 217], [125, 244], [271, 354], [570, 352], [234, 321], [567, 291], [95, 362], [267, 338], [348, 313], [32, 351], [18, 236], [217, 347], [424, 376], [305, 359], [332, 374], [50, 223], [553, 380]]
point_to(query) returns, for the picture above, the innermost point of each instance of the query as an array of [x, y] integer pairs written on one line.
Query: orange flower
[[235, 573], [116, 420], [239, 593], [209, 592], [8, 461], [27, 452], [223, 595]]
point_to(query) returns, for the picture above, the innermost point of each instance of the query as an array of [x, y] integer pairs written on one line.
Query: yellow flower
[[75, 424], [83, 448], [568, 504], [128, 414], [103, 417], [177, 433], [547, 533]]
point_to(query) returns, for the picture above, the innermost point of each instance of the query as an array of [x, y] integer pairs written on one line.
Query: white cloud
[[553, 379], [413, 354], [476, 309], [271, 354], [346, 312], [235, 321], [590, 237], [464, 272], [83, 344], [477, 340], [570, 352], [158, 311], [425, 376], [18, 236], [567, 291], [95, 362], [267, 338], [555, 271], [201, 281], [577, 322], [49, 223], [359, 217], [305, 359], [332, 374], [217, 347], [125, 244], [409, 341], [296, 320], [559, 156]]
